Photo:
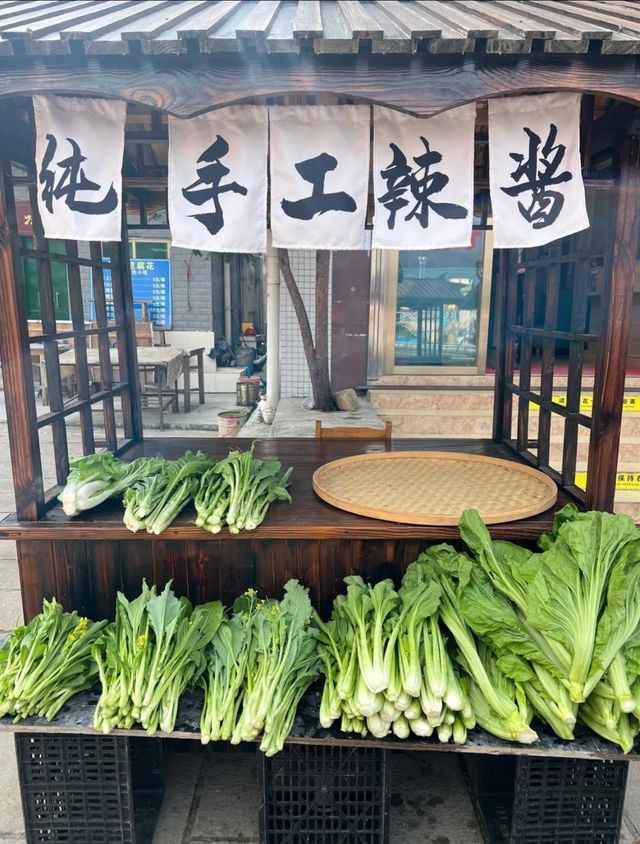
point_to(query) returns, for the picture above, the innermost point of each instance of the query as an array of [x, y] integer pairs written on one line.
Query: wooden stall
[[184, 59]]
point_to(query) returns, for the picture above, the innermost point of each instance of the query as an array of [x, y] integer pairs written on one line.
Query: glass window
[[58, 279], [437, 307], [149, 249]]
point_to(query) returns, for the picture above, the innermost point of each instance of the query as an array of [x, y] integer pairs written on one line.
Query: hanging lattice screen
[[82, 376], [543, 306]]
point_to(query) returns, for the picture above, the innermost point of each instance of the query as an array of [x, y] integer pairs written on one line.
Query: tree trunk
[[318, 364], [323, 258]]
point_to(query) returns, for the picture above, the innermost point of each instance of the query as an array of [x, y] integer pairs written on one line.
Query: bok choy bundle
[[238, 491], [97, 477], [154, 503]]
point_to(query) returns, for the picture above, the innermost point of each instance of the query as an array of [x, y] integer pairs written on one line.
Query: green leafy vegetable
[[47, 662], [97, 477], [149, 656]]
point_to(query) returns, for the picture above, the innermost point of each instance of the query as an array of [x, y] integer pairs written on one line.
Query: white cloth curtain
[[79, 150], [218, 180], [319, 176], [537, 193], [423, 179]]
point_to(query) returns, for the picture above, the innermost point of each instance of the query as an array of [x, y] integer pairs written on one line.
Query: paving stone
[[7, 546], [182, 772], [9, 576], [10, 609], [429, 801], [227, 800], [11, 823]]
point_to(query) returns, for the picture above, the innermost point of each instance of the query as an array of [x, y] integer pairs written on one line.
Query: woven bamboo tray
[[434, 487]]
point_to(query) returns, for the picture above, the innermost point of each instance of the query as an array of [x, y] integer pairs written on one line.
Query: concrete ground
[[214, 797]]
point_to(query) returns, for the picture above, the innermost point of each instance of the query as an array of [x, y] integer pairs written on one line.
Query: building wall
[[191, 291], [350, 318], [294, 373]]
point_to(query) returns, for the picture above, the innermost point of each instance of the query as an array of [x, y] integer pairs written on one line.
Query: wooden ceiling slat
[[579, 16], [335, 26], [280, 38], [152, 25], [259, 20], [362, 25], [337, 36], [517, 24], [19, 17], [415, 24], [116, 19], [560, 22], [307, 22]]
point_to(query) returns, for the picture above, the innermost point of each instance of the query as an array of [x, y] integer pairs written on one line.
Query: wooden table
[[308, 539], [198, 354], [165, 362]]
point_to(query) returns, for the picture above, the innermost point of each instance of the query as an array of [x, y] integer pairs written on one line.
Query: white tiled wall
[[294, 372]]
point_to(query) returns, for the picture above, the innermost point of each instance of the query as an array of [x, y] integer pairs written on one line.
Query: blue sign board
[[151, 283]]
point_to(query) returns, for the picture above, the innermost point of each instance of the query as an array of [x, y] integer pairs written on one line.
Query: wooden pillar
[[617, 297], [16, 365]]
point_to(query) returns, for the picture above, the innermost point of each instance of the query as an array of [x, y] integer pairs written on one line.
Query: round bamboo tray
[[434, 487]]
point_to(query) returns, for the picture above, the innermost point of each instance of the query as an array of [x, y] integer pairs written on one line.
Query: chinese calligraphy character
[[421, 183], [149, 265], [207, 186], [71, 182], [28, 220], [314, 171], [539, 169]]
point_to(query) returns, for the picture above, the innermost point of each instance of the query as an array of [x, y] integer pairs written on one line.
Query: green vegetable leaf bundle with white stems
[[283, 662], [156, 502], [259, 664], [224, 678], [569, 592], [46, 662], [97, 477], [238, 492], [150, 655], [452, 570], [386, 665]]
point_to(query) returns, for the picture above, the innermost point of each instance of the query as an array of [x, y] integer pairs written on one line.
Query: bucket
[[247, 391], [230, 422]]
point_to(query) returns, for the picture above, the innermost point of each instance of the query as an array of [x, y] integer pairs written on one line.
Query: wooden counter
[[85, 560]]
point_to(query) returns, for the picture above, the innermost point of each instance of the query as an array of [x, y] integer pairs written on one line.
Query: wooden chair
[[353, 433]]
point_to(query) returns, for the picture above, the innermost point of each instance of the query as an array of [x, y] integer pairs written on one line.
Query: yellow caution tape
[[624, 480], [630, 404]]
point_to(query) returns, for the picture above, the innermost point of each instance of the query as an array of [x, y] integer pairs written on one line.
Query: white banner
[[537, 193], [218, 180], [319, 176], [79, 149], [423, 179]]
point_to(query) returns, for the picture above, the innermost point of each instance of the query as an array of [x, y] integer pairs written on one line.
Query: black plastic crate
[[86, 789], [537, 800], [324, 795]]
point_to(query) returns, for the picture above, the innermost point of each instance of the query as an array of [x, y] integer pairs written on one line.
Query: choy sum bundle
[[46, 662]]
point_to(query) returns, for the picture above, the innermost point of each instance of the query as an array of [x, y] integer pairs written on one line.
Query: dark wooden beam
[[422, 84], [608, 388], [16, 365]]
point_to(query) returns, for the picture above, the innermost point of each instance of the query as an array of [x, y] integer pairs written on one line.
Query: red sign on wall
[[24, 218]]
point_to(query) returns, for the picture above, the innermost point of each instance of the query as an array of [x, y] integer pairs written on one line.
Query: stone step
[[629, 508], [431, 400], [446, 381], [629, 455], [478, 423]]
